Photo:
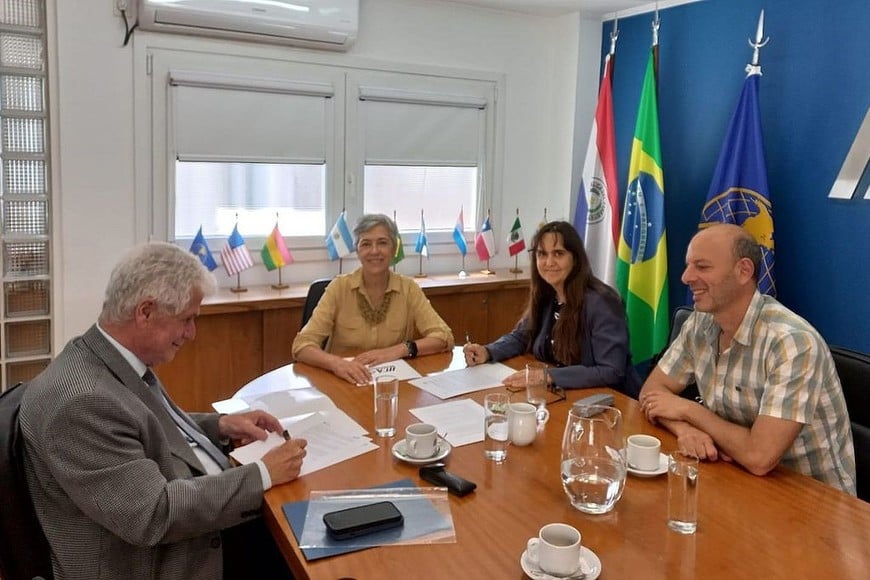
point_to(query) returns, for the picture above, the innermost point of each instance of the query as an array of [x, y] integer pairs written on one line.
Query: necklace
[[371, 315]]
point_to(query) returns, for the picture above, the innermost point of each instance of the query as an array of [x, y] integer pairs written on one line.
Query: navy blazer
[[605, 360]]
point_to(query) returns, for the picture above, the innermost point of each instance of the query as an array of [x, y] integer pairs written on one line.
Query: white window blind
[[224, 118]]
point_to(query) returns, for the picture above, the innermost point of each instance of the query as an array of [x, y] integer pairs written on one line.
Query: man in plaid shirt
[[770, 388]]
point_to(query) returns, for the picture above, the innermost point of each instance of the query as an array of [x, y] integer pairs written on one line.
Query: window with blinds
[[25, 311]]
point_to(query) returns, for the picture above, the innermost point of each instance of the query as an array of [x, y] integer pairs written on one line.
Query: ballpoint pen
[[286, 435]]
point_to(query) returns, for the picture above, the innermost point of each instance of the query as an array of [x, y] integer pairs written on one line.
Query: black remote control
[[437, 475]]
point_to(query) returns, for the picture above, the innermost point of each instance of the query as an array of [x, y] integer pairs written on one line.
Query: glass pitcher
[[593, 458]]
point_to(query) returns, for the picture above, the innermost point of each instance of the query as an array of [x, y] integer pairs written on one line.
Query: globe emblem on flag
[[597, 192], [515, 236], [744, 207]]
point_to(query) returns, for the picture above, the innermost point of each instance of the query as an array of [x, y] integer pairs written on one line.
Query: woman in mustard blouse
[[372, 311]]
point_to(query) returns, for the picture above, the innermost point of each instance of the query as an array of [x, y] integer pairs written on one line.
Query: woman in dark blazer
[[573, 321]]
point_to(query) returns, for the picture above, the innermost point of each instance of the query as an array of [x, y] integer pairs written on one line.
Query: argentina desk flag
[[738, 192]]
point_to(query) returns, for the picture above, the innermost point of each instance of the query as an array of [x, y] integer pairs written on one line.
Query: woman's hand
[[382, 355], [352, 371], [475, 354]]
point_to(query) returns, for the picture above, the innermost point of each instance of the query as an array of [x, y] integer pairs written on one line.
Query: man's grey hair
[[373, 220], [157, 271], [747, 247]]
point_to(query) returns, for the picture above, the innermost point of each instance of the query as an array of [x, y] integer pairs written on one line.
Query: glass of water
[[536, 388], [495, 427], [593, 458], [386, 404], [682, 492]]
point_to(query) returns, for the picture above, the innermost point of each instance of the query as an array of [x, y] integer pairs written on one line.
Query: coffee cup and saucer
[[422, 444], [557, 554], [644, 456]]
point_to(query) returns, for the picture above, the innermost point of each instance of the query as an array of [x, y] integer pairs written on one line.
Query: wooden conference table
[[784, 525]]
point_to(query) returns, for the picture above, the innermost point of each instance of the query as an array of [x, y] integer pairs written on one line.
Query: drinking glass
[[536, 388], [386, 397], [593, 458], [495, 427], [682, 492]]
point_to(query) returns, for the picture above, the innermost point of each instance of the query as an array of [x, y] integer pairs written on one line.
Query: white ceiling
[[559, 7]]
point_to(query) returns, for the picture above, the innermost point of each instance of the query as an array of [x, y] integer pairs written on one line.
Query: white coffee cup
[[421, 439], [643, 452], [522, 423], [556, 550]]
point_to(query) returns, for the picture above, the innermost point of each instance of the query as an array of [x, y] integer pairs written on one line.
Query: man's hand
[[662, 404], [248, 427], [692, 441], [285, 461]]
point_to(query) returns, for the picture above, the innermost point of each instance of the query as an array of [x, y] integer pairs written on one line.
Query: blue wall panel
[[814, 94]]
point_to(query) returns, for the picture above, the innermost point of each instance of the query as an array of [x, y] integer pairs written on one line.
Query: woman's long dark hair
[[567, 341]]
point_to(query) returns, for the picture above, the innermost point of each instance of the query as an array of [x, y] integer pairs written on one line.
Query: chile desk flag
[[739, 193], [199, 248], [597, 203], [642, 263]]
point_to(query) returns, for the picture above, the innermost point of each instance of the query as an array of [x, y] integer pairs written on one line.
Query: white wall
[[92, 93]]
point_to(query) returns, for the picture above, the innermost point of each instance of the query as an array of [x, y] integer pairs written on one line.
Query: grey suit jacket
[[118, 491]]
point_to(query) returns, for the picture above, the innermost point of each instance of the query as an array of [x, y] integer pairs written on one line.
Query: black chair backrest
[[681, 314], [24, 551], [315, 291], [854, 370]]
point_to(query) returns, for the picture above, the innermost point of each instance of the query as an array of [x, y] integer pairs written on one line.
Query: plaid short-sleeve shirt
[[777, 365]]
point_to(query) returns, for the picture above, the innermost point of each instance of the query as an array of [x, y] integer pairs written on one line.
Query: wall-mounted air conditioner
[[330, 24]]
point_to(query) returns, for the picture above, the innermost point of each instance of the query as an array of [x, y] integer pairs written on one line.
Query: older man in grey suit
[[126, 485]]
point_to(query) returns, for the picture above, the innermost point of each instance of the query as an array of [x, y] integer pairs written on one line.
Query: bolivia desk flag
[[199, 248], [275, 253], [597, 202], [739, 193], [642, 264], [235, 254]]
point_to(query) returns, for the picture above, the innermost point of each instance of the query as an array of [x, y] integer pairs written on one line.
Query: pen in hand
[[286, 435]]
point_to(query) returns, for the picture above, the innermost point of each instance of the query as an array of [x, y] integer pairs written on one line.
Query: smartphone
[[361, 520]]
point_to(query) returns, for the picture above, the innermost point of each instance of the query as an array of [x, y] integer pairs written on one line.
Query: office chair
[[681, 314], [854, 370], [24, 550], [315, 291]]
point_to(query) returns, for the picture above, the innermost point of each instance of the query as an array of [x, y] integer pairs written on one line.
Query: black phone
[[361, 520]]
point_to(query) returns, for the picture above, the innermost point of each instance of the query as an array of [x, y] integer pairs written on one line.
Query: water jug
[[593, 458]]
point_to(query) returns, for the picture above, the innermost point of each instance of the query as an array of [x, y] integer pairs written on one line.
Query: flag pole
[[516, 269], [238, 287], [422, 274], [487, 271], [755, 68], [462, 273], [397, 229], [280, 285]]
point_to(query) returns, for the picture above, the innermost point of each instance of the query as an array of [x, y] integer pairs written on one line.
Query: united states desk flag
[[738, 193], [339, 241], [642, 264], [199, 248], [235, 254], [597, 202]]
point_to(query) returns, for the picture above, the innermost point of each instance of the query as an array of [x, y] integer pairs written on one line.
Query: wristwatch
[[412, 349]]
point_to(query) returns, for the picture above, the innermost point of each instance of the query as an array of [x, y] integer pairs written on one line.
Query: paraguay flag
[[422, 246], [642, 264], [199, 248], [738, 193], [339, 242], [597, 203]]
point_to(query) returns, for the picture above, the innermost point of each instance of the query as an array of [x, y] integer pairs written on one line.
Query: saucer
[[400, 451], [662, 468], [589, 569]]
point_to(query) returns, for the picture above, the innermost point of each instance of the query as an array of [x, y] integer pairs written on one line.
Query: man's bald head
[[742, 244]]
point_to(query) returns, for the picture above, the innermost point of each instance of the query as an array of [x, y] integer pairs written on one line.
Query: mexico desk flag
[[642, 265], [516, 242], [739, 192], [597, 203], [276, 255]]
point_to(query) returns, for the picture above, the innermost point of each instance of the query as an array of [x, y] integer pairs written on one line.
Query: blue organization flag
[[339, 242], [422, 246], [739, 193], [199, 248]]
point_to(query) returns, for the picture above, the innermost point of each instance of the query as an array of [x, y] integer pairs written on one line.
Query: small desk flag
[[459, 234], [235, 254], [275, 253], [199, 248], [339, 241]]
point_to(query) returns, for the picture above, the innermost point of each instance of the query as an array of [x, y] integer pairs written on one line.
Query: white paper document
[[397, 368], [461, 420], [462, 381], [331, 439]]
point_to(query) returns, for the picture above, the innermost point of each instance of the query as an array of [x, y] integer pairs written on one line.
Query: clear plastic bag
[[426, 511]]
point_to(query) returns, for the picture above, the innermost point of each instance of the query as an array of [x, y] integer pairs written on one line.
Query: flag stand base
[[420, 275], [280, 286], [238, 289], [516, 270], [488, 272], [463, 274]]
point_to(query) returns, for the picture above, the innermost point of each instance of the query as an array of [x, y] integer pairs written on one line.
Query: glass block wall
[[25, 311]]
